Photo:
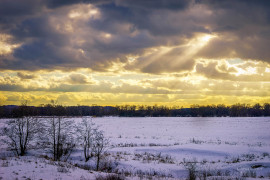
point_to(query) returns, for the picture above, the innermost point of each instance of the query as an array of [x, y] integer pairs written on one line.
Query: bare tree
[[93, 140], [59, 137], [100, 145], [86, 132], [21, 132]]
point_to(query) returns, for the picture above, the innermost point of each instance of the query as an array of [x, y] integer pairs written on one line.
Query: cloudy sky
[[114, 52]]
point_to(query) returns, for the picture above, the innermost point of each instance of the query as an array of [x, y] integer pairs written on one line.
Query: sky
[[143, 52]]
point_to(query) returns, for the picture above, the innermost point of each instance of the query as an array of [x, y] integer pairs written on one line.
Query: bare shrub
[[191, 166], [236, 160], [59, 137], [148, 157], [62, 169], [20, 132], [249, 157], [204, 174], [100, 146], [196, 141], [5, 164], [108, 165], [265, 154], [150, 174], [86, 135], [94, 143], [249, 173]]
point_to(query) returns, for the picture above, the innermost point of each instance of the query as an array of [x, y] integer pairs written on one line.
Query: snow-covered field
[[162, 146]]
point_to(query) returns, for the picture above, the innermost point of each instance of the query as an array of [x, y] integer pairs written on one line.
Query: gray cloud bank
[[106, 32]]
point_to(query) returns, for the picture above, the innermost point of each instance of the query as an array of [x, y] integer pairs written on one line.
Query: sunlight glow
[[5, 46], [84, 12], [107, 35], [203, 40], [193, 46], [206, 38]]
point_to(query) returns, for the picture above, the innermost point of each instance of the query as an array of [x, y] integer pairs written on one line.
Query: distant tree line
[[236, 110]]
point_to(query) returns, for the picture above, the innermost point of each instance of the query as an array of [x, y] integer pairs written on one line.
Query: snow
[[37, 168], [152, 145]]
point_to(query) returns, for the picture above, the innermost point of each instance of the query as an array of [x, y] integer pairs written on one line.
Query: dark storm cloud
[[154, 4], [229, 4], [250, 47], [157, 17], [60, 3], [242, 29], [19, 7]]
